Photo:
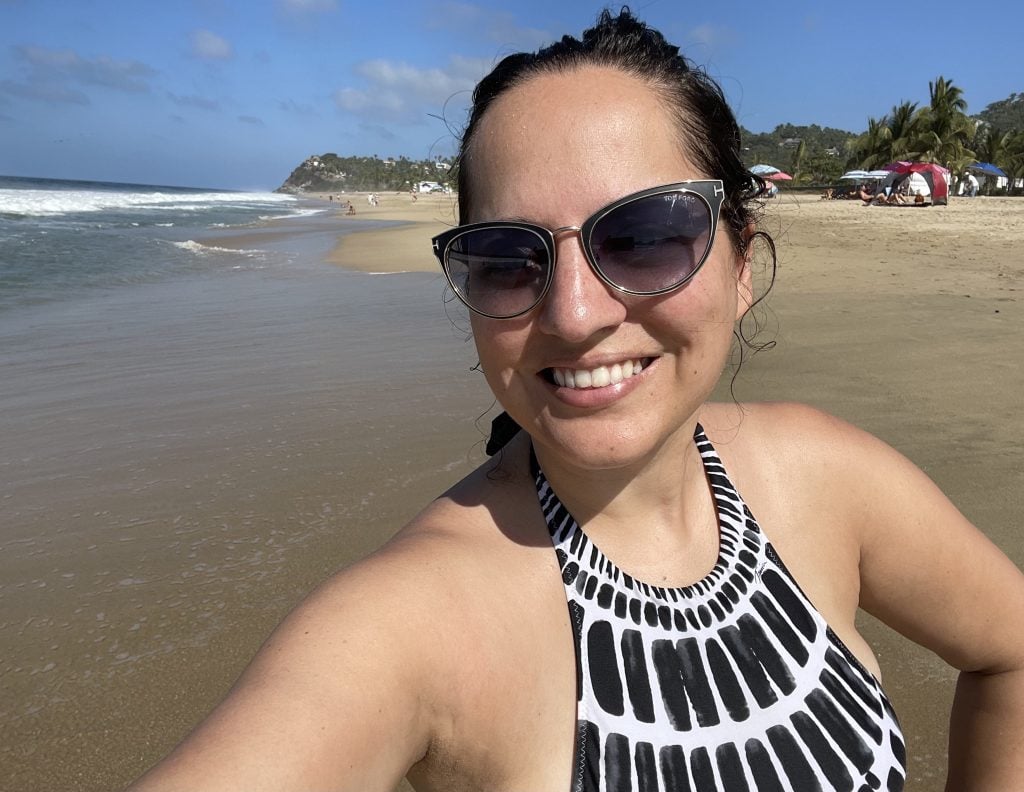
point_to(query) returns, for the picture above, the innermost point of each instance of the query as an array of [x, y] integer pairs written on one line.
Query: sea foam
[[196, 247], [60, 202]]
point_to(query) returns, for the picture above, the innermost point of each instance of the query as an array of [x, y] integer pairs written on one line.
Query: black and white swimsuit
[[735, 683]]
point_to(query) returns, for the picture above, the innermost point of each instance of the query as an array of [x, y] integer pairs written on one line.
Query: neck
[[654, 517]]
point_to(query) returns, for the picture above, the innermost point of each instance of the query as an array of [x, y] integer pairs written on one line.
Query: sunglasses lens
[[652, 244], [498, 271]]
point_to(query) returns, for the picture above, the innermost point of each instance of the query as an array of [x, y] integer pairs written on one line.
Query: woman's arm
[[986, 731], [336, 698], [931, 575]]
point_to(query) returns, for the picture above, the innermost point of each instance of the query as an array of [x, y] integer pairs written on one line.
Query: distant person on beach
[[971, 185], [641, 589]]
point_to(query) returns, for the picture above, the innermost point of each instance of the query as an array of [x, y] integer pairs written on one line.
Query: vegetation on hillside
[[811, 154], [940, 132], [331, 173], [1006, 113]]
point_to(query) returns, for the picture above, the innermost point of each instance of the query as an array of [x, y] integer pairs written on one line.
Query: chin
[[593, 444]]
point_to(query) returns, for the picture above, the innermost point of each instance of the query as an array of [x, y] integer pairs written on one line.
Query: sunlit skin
[[553, 152]]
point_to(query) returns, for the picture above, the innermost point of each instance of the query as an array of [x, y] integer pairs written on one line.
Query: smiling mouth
[[599, 377]]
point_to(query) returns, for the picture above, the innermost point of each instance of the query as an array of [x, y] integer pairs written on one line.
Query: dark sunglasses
[[647, 243]]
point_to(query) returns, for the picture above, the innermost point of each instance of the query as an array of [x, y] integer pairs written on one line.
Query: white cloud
[[202, 102], [396, 91], [252, 120], [703, 42], [703, 35], [207, 45], [296, 108], [52, 75], [497, 26], [44, 92], [307, 6]]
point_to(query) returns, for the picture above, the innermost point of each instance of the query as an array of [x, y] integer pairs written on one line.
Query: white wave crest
[[297, 213], [197, 247], [59, 202]]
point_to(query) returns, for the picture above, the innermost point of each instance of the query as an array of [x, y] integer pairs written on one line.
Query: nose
[[578, 303]]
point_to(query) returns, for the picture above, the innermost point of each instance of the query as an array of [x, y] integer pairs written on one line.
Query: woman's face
[[552, 152]]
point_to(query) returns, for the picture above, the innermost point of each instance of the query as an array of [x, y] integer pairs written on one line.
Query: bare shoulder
[[781, 424], [354, 683], [804, 462], [793, 442]]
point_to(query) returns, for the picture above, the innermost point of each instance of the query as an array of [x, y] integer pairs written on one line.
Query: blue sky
[[235, 93]]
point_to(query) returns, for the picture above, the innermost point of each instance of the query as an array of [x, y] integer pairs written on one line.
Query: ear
[[744, 279]]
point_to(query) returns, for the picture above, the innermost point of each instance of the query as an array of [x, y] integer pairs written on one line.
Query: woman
[[604, 254]]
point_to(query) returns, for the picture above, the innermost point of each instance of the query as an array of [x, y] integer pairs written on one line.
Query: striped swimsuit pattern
[[732, 684]]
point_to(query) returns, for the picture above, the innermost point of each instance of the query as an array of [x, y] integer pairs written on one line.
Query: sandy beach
[[166, 510]]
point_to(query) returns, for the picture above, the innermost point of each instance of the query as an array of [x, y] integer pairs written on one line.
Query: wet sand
[[183, 461]]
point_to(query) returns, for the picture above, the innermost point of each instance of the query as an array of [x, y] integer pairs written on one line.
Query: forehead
[[592, 131]]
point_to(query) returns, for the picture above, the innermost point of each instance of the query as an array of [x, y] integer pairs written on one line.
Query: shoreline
[[415, 222]]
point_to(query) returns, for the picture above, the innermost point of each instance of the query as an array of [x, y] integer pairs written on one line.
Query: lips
[[599, 377]]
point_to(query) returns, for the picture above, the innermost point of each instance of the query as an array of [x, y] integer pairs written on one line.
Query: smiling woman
[[598, 607]]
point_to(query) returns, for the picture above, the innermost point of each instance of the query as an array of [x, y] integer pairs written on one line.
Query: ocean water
[[200, 419], [60, 238]]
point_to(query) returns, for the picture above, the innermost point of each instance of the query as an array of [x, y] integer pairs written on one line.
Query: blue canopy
[[987, 168]]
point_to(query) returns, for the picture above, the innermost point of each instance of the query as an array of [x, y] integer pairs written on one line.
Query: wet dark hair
[[708, 130]]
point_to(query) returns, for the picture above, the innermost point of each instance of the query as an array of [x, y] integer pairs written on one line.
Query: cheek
[[722, 289], [499, 347]]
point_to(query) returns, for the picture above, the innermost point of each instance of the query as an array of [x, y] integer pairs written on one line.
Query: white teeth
[[599, 377]]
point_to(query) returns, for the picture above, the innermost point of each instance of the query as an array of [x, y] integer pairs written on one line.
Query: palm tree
[[946, 129], [990, 145], [904, 132], [869, 149], [892, 137], [798, 158], [1012, 162]]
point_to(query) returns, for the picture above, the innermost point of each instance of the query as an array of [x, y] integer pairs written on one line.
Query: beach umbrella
[[986, 168], [856, 175], [764, 170], [916, 167], [934, 176], [779, 176], [877, 174]]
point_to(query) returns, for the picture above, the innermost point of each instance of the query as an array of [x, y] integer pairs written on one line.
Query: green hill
[[331, 173], [1006, 114]]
